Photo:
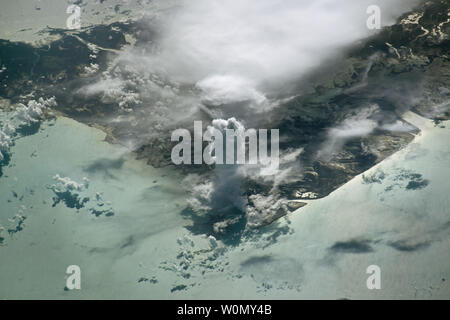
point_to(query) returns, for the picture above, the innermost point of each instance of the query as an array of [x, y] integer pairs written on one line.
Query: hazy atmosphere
[[123, 123]]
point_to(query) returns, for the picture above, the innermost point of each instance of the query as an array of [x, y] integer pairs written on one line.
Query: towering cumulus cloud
[[237, 56], [223, 59]]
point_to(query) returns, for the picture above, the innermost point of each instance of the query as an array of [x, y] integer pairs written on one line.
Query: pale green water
[[140, 240]]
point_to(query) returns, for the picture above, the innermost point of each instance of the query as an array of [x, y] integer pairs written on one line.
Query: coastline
[[137, 250]]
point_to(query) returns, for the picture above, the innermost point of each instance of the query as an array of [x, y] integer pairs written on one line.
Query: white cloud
[[34, 110], [224, 89], [358, 125], [398, 126], [23, 116], [5, 144], [264, 207], [66, 184], [255, 44]]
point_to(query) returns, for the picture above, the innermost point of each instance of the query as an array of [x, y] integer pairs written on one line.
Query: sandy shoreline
[[136, 253], [21, 20]]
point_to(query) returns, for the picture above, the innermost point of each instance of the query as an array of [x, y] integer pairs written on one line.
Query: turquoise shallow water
[[145, 203], [144, 251]]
